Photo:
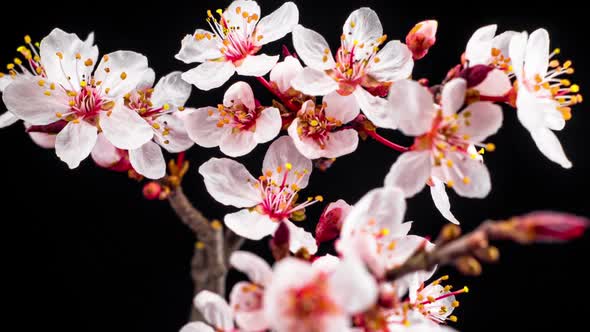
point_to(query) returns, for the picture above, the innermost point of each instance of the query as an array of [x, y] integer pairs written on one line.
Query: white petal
[[410, 172], [235, 16], [284, 72], [277, 24], [502, 42], [202, 127], [256, 268], [549, 145], [148, 161], [230, 183], [105, 154], [257, 65], [311, 47], [352, 286], [46, 141], [337, 143], [517, 51], [299, 239], [496, 84], [201, 50], [326, 264], [27, 100], [250, 224], [376, 109], [453, 96], [147, 79], [177, 139], [342, 108], [479, 46], [281, 152], [537, 54], [314, 82], [209, 75], [197, 327], [5, 80], [479, 184], [237, 144], [75, 142], [239, 93], [363, 27], [125, 128], [215, 310], [395, 63], [441, 200], [172, 90], [251, 321], [413, 103], [7, 119], [485, 119], [125, 72], [268, 125], [532, 110]]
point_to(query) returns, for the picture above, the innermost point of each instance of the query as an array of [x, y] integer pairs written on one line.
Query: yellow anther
[[384, 231], [445, 277], [219, 11], [314, 123], [450, 183], [554, 63], [52, 86], [449, 163], [455, 304], [88, 62], [481, 151], [216, 225], [37, 59], [465, 289], [406, 322], [431, 299], [557, 51], [27, 39], [569, 71], [76, 121], [181, 108], [58, 114], [288, 166], [377, 60], [123, 75], [567, 64], [166, 107], [490, 147], [325, 58], [495, 51], [466, 180], [565, 82], [199, 245], [575, 88], [78, 56], [47, 93], [448, 288], [10, 66], [71, 103], [566, 112], [209, 14], [453, 318], [352, 24], [59, 55], [155, 125], [319, 198], [83, 83], [18, 61], [238, 10], [41, 82]]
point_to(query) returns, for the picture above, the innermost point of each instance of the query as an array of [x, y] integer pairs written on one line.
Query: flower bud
[[468, 266], [152, 190], [279, 244], [421, 38], [476, 74], [330, 224], [547, 226]]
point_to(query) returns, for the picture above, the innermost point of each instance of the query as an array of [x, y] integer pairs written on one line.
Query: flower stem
[[386, 142], [278, 94], [495, 99]]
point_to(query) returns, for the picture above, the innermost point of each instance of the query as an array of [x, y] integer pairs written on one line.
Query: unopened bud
[[476, 74], [468, 266], [448, 233], [547, 227], [330, 224], [279, 244], [489, 254], [152, 190], [421, 38]]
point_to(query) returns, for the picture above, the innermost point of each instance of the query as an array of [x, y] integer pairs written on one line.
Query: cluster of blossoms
[[79, 104]]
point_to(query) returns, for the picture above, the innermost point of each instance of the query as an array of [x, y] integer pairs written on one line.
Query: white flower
[[71, 91], [216, 312], [544, 98], [267, 200], [302, 298], [360, 68], [444, 139], [284, 73], [237, 126], [232, 44]]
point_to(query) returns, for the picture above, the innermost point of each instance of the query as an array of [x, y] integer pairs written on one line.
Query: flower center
[[314, 124], [311, 302], [238, 116], [140, 101], [430, 301], [500, 61]]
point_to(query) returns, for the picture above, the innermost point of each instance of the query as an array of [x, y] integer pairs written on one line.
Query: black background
[[85, 252]]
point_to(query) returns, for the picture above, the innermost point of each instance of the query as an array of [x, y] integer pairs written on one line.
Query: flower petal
[[517, 51], [250, 224], [537, 54], [549, 145], [377, 109], [479, 46], [197, 327], [277, 24], [7, 119], [413, 103], [362, 27], [532, 111], [453, 96], [28, 101], [256, 268], [337, 144], [148, 161], [352, 286], [104, 153], [172, 90], [46, 141], [125, 128], [341, 108], [314, 82], [257, 65], [395, 63], [125, 71], [281, 152], [209, 75], [410, 172], [479, 183], [502, 42], [496, 84], [177, 139], [147, 79], [195, 49], [327, 263], [230, 183], [240, 93], [268, 125], [215, 310], [237, 144], [284, 72], [243, 13], [75, 142], [299, 239], [484, 120], [441, 200], [311, 47], [246, 301], [201, 125]]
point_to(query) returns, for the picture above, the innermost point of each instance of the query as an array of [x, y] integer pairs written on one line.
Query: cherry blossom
[[421, 38], [237, 126], [215, 311], [361, 72], [544, 97], [68, 90], [284, 73], [303, 298], [233, 42], [267, 200]]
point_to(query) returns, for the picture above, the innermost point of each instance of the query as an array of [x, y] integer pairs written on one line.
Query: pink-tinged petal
[[453, 96], [7, 119], [236, 11], [337, 143], [363, 246], [362, 27], [532, 111], [352, 286], [209, 75], [148, 78], [496, 84], [256, 268], [68, 45], [251, 321], [177, 139], [327, 263], [46, 141], [549, 145], [413, 103], [257, 65], [105, 154], [240, 93], [341, 108], [277, 24], [75, 142], [268, 125], [172, 90], [284, 72], [281, 152], [314, 82], [125, 128], [197, 327], [201, 126], [250, 224], [479, 46], [393, 63], [215, 310], [148, 161], [4, 81], [376, 109], [537, 54], [28, 101], [478, 183], [484, 119], [410, 172], [237, 144], [125, 71], [441, 200], [517, 52], [311, 47], [300, 239], [502, 42], [246, 301], [195, 49], [421, 38], [230, 183]]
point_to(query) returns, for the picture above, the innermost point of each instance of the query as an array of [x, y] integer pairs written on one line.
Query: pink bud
[[421, 38], [52, 128], [476, 74], [547, 226], [330, 224], [279, 244], [152, 190]]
